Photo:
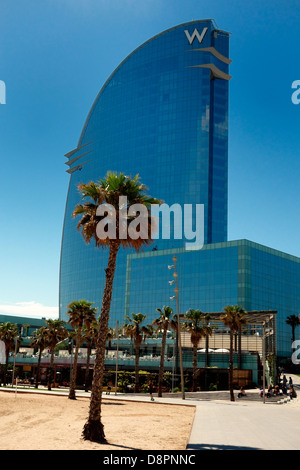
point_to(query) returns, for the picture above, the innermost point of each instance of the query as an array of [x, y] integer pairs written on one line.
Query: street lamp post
[[116, 377], [264, 361], [71, 362], [16, 345], [176, 290], [14, 366]]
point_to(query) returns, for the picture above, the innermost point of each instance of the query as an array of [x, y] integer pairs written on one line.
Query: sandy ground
[[41, 422]]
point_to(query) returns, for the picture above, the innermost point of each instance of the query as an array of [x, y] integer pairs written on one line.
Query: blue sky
[[54, 57]]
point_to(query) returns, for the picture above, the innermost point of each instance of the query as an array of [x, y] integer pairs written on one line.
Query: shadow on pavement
[[218, 447]]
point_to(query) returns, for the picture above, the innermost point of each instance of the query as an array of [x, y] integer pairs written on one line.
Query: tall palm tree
[[9, 336], [293, 321], [207, 329], [90, 336], [162, 324], [80, 313], [234, 318], [56, 332], [39, 342], [108, 193], [198, 329], [137, 333]]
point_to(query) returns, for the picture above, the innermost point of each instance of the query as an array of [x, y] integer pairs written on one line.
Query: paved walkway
[[245, 424]]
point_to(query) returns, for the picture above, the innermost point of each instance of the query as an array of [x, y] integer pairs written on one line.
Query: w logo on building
[[195, 35], [2, 92]]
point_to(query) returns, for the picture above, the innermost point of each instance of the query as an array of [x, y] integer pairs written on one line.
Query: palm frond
[[108, 192]]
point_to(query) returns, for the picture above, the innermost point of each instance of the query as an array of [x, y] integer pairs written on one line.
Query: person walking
[[109, 385], [151, 389], [284, 380]]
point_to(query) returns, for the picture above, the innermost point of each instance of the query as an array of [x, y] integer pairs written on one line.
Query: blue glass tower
[[163, 113]]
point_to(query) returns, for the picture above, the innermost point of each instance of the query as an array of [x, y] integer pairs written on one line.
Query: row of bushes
[[126, 381]]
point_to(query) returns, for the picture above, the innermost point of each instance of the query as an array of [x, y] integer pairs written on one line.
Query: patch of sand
[[42, 422]]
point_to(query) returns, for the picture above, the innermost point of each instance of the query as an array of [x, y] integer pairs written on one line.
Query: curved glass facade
[[163, 113]]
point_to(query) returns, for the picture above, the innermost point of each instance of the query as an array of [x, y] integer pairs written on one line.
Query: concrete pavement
[[241, 425], [223, 425], [247, 425]]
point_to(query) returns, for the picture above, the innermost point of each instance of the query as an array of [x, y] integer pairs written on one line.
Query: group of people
[[286, 388], [288, 385]]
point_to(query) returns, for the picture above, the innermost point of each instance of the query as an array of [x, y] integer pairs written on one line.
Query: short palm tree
[[9, 336], [195, 325], [90, 337], [108, 193], [162, 324], [39, 342], [293, 321], [233, 318], [56, 332], [80, 313], [137, 333]]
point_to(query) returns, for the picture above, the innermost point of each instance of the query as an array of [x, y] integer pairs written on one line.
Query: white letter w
[[195, 34]]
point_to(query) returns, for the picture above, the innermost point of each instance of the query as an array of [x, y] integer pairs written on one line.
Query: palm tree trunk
[[50, 371], [240, 348], [6, 367], [206, 350], [87, 371], [93, 429], [72, 395], [137, 360], [231, 367], [162, 362], [38, 369], [293, 333], [195, 345]]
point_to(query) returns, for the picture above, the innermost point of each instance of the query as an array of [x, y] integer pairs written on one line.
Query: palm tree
[[109, 193], [80, 313], [162, 323], [39, 342], [293, 321], [151, 331], [234, 318], [207, 329], [9, 336], [56, 332], [197, 329], [90, 336], [137, 334]]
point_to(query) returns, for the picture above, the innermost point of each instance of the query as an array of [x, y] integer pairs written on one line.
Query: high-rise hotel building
[[163, 113]]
